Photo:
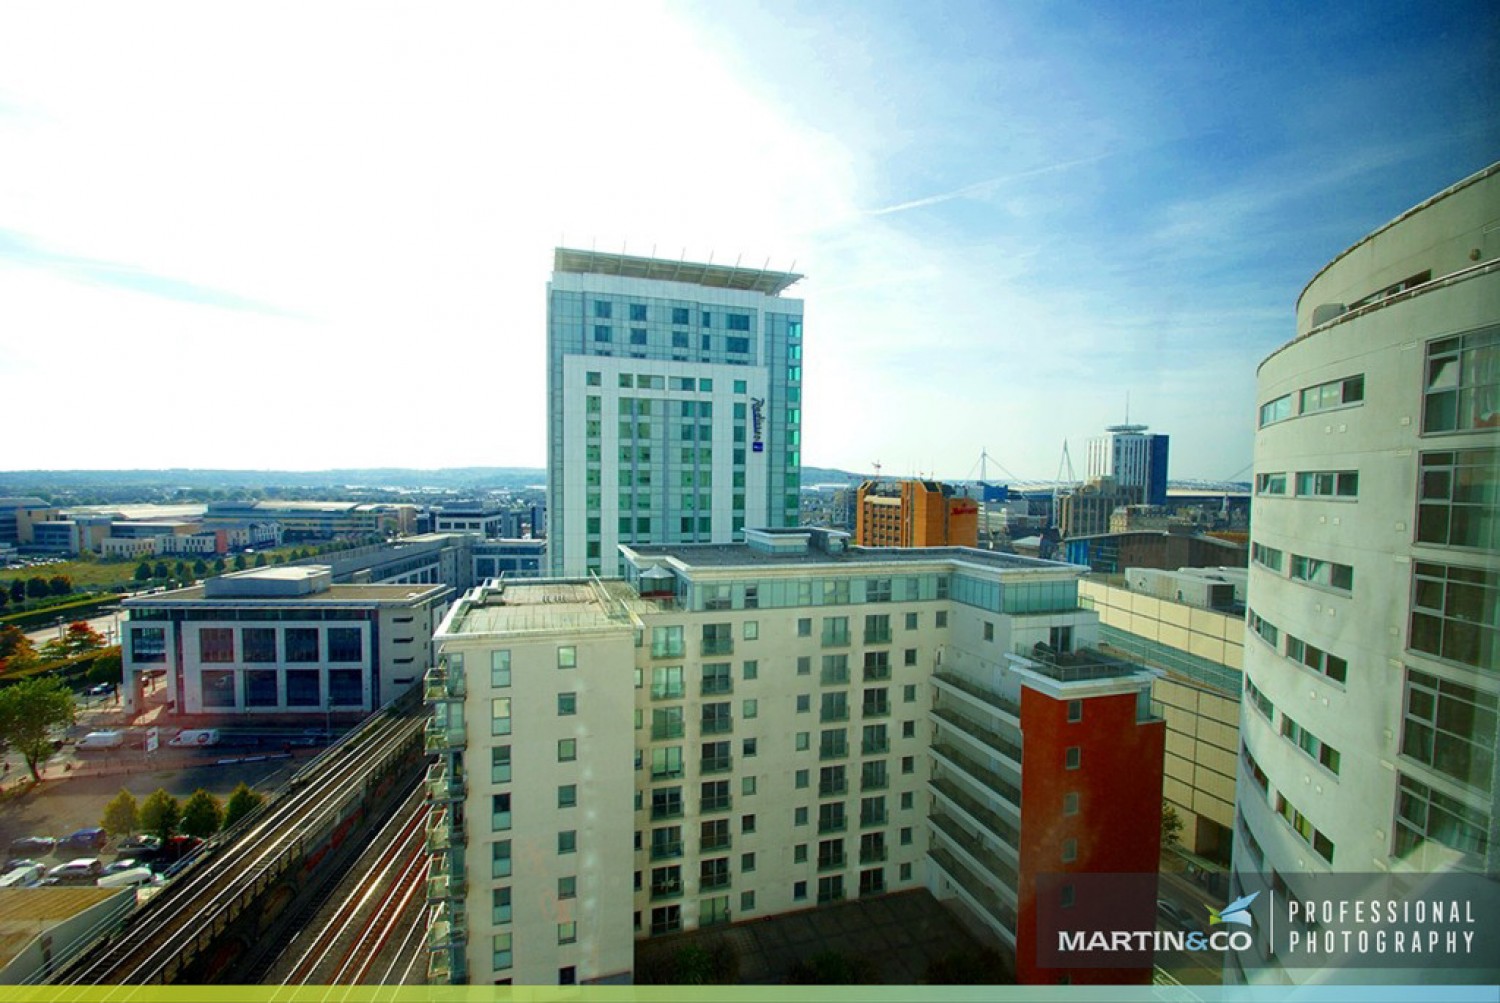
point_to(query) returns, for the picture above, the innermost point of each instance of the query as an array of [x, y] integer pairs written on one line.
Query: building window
[[1463, 382], [1270, 484], [603, 309], [908, 764], [500, 764], [1451, 728], [499, 669], [1309, 743], [1317, 659], [1455, 613], [567, 933], [1259, 700], [567, 841], [1279, 409], [1069, 850], [1073, 757], [1070, 803], [835, 631], [666, 642], [301, 644], [603, 333], [1075, 711], [747, 822], [567, 796], [941, 618], [500, 906], [1267, 557], [802, 778], [1336, 393], [1456, 499], [666, 682], [567, 750], [1264, 629], [799, 891], [567, 656], [500, 716], [1423, 814], [500, 858], [666, 919], [1328, 574], [567, 887], [1320, 843], [750, 709], [567, 704], [666, 802], [1328, 483], [500, 956]]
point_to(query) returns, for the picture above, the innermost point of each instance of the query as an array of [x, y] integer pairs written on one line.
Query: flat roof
[[546, 605], [333, 594], [760, 280], [27, 913], [723, 555]]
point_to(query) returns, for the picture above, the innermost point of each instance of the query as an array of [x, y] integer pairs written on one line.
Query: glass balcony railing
[[440, 737], [972, 888], [449, 928], [442, 882], [986, 817], [666, 851], [872, 854], [443, 683], [991, 739], [835, 862], [441, 783], [989, 698], [876, 708], [443, 832], [447, 966], [718, 841], [832, 788], [836, 823], [836, 750], [951, 756], [871, 819], [874, 746], [716, 764], [996, 869], [718, 646]]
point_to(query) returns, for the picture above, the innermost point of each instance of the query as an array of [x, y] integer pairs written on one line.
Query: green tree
[[202, 814], [122, 816], [37, 588], [200, 569], [239, 562], [1171, 826], [161, 814], [242, 801], [180, 570], [219, 566], [60, 585], [4, 597], [107, 668], [143, 572], [17, 591], [260, 560], [29, 710], [161, 570]]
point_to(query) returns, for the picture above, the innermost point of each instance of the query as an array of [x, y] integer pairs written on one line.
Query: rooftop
[[27, 913], [760, 280], [545, 605], [341, 594], [728, 555]]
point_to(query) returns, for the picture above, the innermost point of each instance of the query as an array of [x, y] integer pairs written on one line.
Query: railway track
[[385, 900], [169, 932]]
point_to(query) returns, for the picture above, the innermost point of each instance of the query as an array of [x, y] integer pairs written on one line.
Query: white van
[[195, 738], [101, 741], [128, 878], [26, 876]]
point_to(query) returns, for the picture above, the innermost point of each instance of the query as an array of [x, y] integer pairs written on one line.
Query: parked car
[[28, 874], [1176, 916], [84, 870], [32, 846], [85, 839], [178, 847], [100, 741], [141, 841], [100, 689], [124, 864], [127, 878]]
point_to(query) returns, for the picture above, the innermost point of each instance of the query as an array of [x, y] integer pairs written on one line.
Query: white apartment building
[[1369, 721], [737, 731], [1135, 459], [674, 406]]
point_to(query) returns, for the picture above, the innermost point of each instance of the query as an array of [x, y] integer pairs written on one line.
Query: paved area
[[893, 938]]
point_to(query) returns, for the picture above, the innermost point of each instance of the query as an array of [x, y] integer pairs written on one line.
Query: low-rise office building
[[281, 641], [740, 730]]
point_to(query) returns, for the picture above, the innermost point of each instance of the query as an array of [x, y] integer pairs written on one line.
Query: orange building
[[914, 514]]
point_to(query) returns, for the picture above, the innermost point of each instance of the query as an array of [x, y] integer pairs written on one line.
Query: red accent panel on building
[[1118, 825]]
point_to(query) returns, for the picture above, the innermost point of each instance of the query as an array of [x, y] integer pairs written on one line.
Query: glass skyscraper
[[674, 407]]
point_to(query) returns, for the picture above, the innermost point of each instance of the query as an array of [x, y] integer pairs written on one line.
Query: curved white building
[[1369, 720]]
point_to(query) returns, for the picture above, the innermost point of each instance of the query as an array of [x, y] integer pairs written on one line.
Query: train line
[[384, 898], [166, 934]]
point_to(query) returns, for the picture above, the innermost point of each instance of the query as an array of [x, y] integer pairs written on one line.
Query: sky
[[306, 236]]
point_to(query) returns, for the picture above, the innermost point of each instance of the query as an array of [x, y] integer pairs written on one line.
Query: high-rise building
[[914, 513], [1134, 457], [764, 727], [1369, 731], [674, 406]]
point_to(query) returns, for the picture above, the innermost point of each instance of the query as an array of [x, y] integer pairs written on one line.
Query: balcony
[[442, 882], [720, 841], [669, 649], [874, 746], [1083, 665], [837, 823], [872, 854], [443, 785], [876, 708], [829, 897], [872, 781], [836, 638], [869, 820], [716, 726], [973, 891], [449, 927], [713, 882], [994, 869], [836, 750], [717, 646], [833, 714], [837, 862], [662, 890], [990, 741], [986, 818], [717, 686], [717, 803], [989, 700], [834, 677], [878, 635], [672, 729], [669, 810], [980, 774], [832, 788], [667, 691], [442, 683], [446, 966], [443, 832], [716, 764], [439, 737], [666, 851]]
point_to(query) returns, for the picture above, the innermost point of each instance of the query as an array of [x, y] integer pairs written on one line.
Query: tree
[[107, 668], [202, 814], [161, 570], [199, 568], [81, 637], [219, 566], [60, 585], [239, 562], [260, 560], [122, 817], [242, 801], [37, 588], [14, 644], [4, 597], [180, 570], [17, 591], [1171, 826], [161, 814], [29, 710], [143, 572]]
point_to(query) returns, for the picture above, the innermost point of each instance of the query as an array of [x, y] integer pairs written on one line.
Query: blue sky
[[322, 234]]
